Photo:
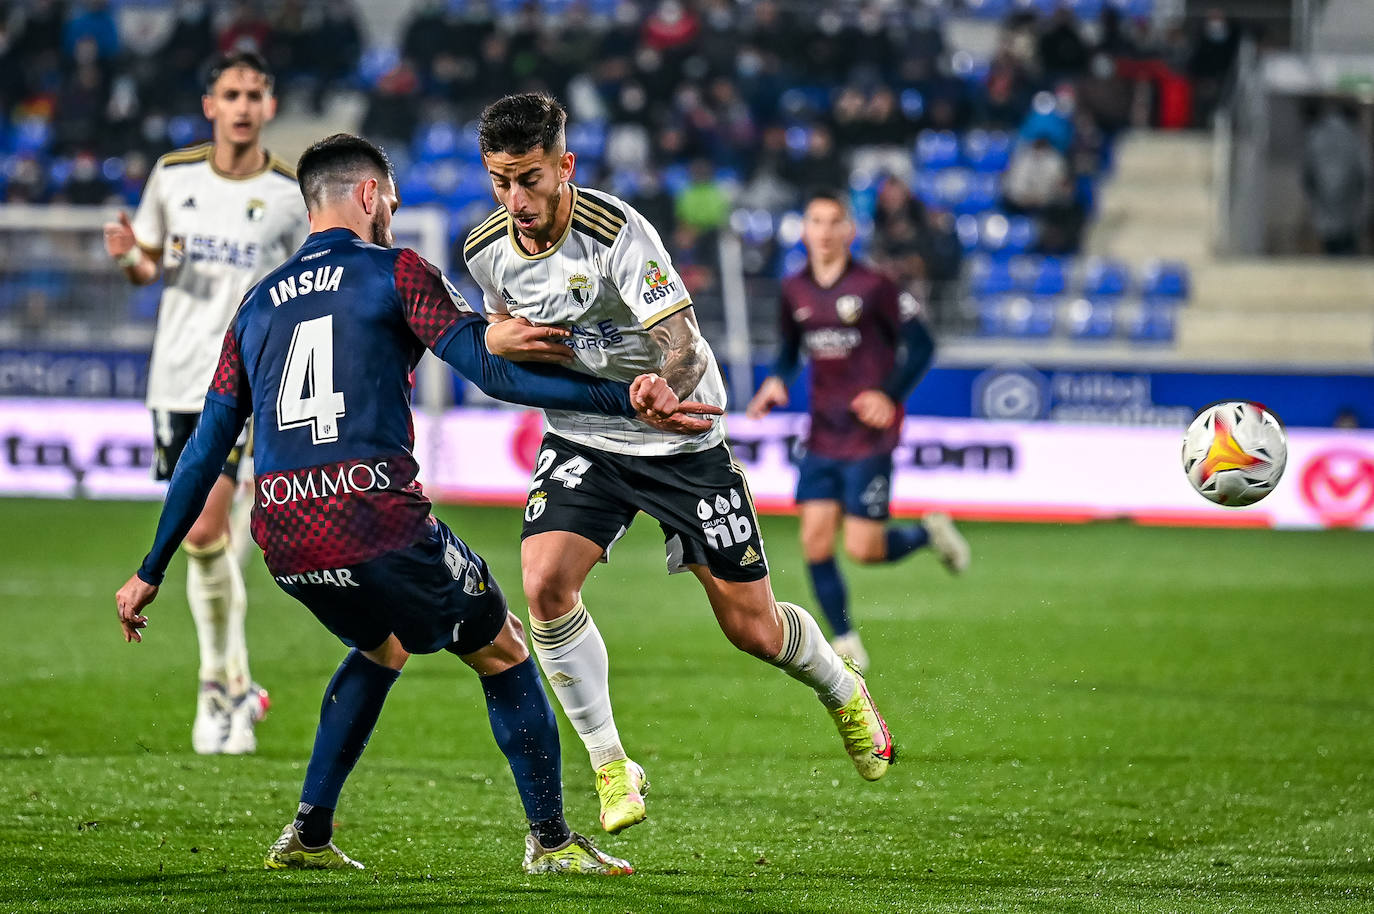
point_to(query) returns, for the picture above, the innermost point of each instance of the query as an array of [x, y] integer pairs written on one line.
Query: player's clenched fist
[[130, 601], [772, 393], [119, 236], [659, 407], [874, 408]]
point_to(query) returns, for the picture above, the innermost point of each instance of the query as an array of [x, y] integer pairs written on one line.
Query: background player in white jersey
[[557, 255], [212, 221]]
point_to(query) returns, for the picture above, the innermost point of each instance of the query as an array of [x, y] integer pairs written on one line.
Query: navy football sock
[[314, 824], [522, 722], [904, 540], [349, 712], [830, 593]]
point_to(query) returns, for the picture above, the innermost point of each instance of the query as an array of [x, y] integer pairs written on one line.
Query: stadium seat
[[1105, 278], [1153, 322], [966, 229], [437, 141], [676, 177], [1134, 9], [951, 188], [792, 261], [588, 140], [1035, 275], [414, 186], [990, 314], [30, 136], [936, 149], [988, 9], [1006, 236], [913, 104], [987, 151], [375, 63], [1085, 10], [988, 278], [1091, 319], [981, 192], [183, 130], [1031, 318], [1019, 316], [1165, 280], [59, 172], [113, 169]]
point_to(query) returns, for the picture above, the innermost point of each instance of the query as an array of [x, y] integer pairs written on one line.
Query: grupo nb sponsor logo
[[1338, 485]]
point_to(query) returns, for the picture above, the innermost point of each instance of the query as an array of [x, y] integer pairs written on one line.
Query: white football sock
[[573, 657], [214, 590], [237, 675], [240, 517], [808, 658]]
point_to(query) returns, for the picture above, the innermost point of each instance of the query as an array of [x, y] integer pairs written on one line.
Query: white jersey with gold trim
[[608, 280], [214, 236]]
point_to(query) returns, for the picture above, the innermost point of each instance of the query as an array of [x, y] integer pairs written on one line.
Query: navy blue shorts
[[437, 594], [863, 486]]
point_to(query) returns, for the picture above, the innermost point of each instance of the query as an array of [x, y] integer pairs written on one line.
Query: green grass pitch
[[1097, 718]]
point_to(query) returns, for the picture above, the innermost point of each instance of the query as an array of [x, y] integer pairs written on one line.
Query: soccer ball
[[1235, 452]]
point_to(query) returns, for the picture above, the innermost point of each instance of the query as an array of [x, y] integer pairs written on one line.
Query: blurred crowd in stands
[[699, 113]]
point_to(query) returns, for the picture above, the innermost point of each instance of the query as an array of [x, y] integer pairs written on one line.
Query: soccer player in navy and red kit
[[868, 350], [321, 354]]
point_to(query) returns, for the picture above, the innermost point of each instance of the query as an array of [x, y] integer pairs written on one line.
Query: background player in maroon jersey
[[868, 350]]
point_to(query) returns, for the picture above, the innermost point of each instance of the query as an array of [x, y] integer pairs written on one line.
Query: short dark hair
[[518, 123], [828, 193], [336, 162], [225, 62]]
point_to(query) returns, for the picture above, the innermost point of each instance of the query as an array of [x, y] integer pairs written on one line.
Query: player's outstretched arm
[[531, 383], [197, 469]]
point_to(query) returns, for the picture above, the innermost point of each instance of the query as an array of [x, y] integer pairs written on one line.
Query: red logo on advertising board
[[1339, 486], [524, 444]]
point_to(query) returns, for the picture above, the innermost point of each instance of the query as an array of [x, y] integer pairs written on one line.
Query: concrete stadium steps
[[1172, 157], [1282, 338], [1300, 285], [291, 133], [1158, 204], [1157, 201]]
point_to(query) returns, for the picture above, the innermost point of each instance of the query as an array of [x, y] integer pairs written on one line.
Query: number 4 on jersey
[[307, 395]]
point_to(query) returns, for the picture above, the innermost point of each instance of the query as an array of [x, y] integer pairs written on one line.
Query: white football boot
[[851, 647], [212, 720], [949, 544], [251, 707]]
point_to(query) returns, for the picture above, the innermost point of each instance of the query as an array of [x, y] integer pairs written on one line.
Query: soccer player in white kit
[[557, 255], [212, 221]]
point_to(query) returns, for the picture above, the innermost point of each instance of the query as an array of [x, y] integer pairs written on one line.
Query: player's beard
[[542, 230], [381, 234]]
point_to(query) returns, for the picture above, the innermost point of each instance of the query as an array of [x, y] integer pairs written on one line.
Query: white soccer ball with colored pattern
[[1235, 452]]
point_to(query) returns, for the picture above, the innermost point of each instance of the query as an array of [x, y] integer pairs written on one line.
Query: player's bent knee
[[866, 553], [549, 592], [204, 544], [389, 654]]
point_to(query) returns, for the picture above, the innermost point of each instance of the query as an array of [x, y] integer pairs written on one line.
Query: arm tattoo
[[684, 352]]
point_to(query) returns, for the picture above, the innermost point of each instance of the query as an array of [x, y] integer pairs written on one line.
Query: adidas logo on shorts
[[751, 556]]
